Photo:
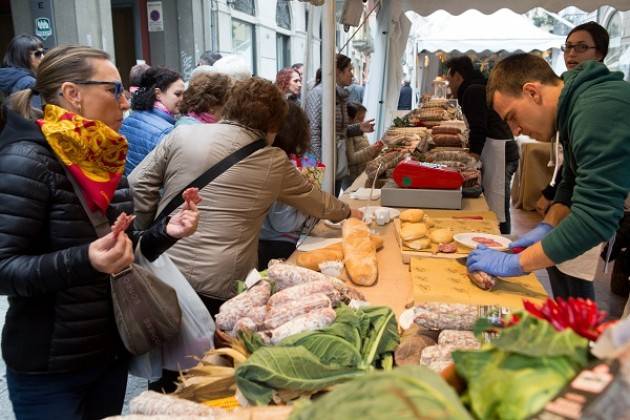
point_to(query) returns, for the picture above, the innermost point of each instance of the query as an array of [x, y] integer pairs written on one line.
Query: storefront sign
[[43, 27], [154, 15]]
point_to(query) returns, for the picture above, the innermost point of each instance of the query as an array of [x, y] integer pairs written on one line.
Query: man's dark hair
[[599, 35], [342, 62], [462, 65], [209, 58]]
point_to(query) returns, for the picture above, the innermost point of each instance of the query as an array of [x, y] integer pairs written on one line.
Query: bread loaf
[[411, 215], [334, 252], [411, 231], [359, 253]]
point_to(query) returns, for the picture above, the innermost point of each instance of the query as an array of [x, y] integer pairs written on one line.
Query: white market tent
[[475, 31], [391, 37]]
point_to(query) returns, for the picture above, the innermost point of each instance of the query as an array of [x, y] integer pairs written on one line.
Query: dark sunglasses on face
[[38, 53], [118, 86], [578, 48]]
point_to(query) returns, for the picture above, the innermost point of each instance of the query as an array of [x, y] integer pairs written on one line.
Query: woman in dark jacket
[[60, 342], [19, 65]]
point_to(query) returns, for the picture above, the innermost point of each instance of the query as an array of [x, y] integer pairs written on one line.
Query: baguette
[[334, 252], [359, 253]]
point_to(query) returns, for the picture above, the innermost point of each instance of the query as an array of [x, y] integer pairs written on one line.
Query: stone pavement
[[134, 385]]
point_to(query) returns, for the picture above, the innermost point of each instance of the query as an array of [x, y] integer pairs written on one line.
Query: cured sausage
[[448, 248], [483, 280], [278, 315], [314, 320], [305, 289], [286, 275]]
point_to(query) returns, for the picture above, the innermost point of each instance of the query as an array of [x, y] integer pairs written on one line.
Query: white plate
[[364, 194], [311, 243], [332, 224], [466, 239]]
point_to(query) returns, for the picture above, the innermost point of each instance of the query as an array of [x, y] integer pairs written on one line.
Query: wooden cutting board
[[446, 280]]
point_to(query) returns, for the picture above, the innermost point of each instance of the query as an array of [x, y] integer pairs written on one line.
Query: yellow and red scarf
[[93, 153]]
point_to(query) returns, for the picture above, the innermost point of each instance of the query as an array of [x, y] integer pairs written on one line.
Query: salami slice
[[490, 243], [122, 223], [191, 195], [447, 248]]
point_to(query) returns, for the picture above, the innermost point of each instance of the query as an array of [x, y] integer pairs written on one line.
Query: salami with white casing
[[278, 315], [286, 275], [305, 289], [314, 320], [256, 296], [243, 324]]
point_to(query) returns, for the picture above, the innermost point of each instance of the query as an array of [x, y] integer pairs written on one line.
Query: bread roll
[[441, 236], [418, 244], [411, 231], [411, 215], [334, 252], [359, 253]]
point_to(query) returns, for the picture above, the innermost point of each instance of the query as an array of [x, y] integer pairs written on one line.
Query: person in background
[[208, 58], [355, 92], [283, 224], [360, 152], [19, 65], [299, 67], [225, 247], [135, 76], [204, 99], [60, 342], [588, 108], [406, 94], [154, 106], [490, 138], [234, 66], [313, 107], [289, 82]]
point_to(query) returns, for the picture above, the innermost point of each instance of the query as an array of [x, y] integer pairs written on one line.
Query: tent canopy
[[456, 7], [473, 30]]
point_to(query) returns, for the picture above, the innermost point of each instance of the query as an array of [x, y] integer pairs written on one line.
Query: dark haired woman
[[154, 106], [20, 63]]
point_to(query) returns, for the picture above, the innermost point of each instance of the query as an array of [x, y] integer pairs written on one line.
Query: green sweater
[[593, 120]]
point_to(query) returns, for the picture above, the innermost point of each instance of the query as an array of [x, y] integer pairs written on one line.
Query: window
[[245, 6], [283, 14], [244, 41], [283, 51]]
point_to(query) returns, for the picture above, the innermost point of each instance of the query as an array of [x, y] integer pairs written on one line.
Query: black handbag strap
[[98, 220], [208, 176]]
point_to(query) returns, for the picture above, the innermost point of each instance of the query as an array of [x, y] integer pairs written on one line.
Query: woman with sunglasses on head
[[154, 108], [62, 349], [19, 66]]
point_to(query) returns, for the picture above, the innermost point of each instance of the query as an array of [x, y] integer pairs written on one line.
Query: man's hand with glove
[[530, 238], [493, 262]]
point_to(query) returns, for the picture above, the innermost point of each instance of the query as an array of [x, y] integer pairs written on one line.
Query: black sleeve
[[476, 111], [550, 191], [24, 214], [155, 240]]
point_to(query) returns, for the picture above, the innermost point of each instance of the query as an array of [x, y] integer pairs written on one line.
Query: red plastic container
[[413, 174]]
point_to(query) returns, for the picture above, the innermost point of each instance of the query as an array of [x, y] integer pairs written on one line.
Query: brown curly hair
[[205, 91], [256, 103], [283, 78], [294, 135]]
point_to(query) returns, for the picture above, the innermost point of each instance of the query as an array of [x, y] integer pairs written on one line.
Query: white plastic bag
[[197, 327]]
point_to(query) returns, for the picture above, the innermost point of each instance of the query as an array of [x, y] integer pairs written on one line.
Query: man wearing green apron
[[489, 139]]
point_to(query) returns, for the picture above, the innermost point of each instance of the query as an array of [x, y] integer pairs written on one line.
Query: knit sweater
[[594, 127]]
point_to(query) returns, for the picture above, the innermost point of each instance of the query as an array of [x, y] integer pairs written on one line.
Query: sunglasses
[[118, 86], [38, 53], [578, 48]]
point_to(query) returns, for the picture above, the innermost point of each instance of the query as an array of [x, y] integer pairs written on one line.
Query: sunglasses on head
[[38, 53], [118, 86]]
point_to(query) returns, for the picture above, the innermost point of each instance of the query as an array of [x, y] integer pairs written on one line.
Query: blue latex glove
[[493, 262], [535, 235]]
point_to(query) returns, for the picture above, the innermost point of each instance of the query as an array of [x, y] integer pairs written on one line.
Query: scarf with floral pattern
[[92, 152]]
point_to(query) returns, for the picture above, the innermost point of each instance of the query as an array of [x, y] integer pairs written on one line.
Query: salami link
[[314, 320], [243, 324], [483, 280], [278, 315], [305, 289], [286, 275], [446, 316], [241, 306]]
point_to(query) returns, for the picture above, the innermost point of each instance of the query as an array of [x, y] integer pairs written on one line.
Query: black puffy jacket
[[60, 315]]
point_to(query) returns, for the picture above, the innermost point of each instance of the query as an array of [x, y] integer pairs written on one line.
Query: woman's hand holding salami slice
[[185, 222]]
